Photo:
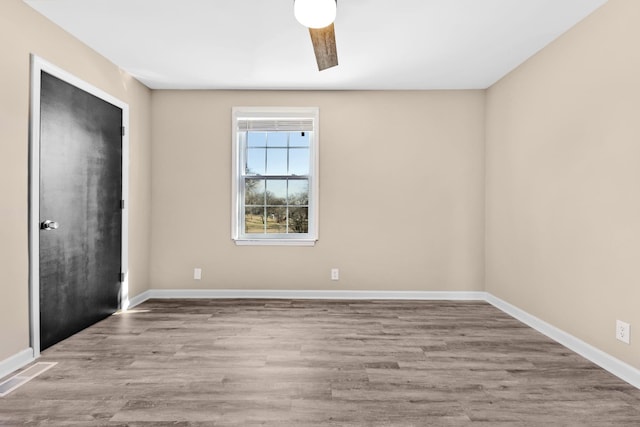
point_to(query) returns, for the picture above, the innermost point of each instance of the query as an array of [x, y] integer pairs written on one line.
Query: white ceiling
[[258, 44]]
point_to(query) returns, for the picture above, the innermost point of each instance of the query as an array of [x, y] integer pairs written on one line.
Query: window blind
[[271, 125]]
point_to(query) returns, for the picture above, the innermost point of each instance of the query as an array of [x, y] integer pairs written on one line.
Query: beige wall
[[563, 181], [401, 193], [24, 31]]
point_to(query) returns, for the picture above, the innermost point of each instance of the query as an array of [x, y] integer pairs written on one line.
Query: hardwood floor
[[317, 363]]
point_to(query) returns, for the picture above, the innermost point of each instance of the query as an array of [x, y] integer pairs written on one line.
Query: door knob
[[48, 225]]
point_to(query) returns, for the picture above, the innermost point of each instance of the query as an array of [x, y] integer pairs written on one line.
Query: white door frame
[[37, 66]]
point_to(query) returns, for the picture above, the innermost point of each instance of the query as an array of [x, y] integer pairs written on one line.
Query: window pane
[[298, 139], [254, 191], [298, 220], [277, 220], [256, 139], [276, 192], [277, 161], [256, 161], [277, 139], [299, 161], [298, 192], [254, 220]]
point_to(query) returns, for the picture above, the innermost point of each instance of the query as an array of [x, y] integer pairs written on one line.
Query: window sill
[[275, 242]]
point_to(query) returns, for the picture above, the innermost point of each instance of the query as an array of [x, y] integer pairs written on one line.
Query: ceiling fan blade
[[324, 45]]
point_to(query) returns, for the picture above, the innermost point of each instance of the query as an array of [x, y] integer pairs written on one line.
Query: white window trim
[[236, 202]]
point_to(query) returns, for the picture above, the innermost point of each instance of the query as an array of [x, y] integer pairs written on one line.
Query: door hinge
[[121, 277], [122, 129], [121, 204]]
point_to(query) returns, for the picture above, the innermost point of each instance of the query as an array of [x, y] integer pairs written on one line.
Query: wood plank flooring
[[317, 363]]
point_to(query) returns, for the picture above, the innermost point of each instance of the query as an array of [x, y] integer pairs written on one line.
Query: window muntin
[[275, 191]]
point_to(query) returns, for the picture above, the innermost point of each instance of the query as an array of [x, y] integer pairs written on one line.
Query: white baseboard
[[305, 294], [616, 366], [15, 362], [139, 299]]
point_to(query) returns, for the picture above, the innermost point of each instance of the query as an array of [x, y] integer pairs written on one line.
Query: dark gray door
[[80, 193]]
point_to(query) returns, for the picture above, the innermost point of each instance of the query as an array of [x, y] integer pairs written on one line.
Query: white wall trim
[[15, 362], [616, 366], [305, 294], [138, 299]]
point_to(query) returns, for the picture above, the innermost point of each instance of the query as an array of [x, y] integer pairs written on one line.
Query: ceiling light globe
[[315, 13]]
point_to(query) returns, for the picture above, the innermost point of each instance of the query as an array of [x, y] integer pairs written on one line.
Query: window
[[275, 183]]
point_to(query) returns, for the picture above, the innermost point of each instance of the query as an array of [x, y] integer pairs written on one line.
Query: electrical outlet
[[335, 274], [623, 331], [197, 274]]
